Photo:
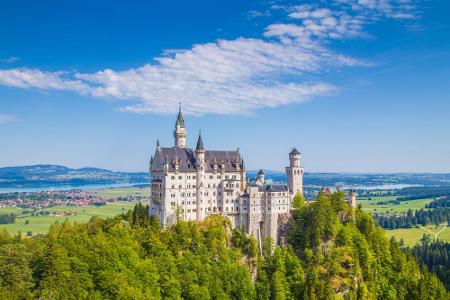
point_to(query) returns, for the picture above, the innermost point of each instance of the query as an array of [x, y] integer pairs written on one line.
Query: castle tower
[[200, 166], [180, 131], [261, 178], [295, 173], [352, 198]]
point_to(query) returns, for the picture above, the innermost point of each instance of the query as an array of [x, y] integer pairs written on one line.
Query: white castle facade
[[193, 184]]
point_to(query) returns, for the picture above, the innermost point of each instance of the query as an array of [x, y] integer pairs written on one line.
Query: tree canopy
[[333, 253]]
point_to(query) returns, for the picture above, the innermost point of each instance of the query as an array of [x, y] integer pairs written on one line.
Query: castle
[[193, 184]]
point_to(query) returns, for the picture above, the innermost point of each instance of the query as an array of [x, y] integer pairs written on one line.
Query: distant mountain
[[54, 175]]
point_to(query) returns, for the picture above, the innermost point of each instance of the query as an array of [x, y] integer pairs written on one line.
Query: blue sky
[[355, 85]]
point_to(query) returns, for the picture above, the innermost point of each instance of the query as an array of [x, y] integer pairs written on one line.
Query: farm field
[[122, 192], [371, 205], [40, 224], [412, 236]]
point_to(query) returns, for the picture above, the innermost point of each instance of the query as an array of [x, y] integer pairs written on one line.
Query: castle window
[[237, 185], [226, 176], [173, 186], [182, 194], [188, 210], [179, 186], [179, 176], [214, 193], [214, 185], [172, 177], [193, 177], [210, 177], [218, 176]]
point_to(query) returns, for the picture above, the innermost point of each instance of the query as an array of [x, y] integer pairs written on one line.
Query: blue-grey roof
[[200, 143], [180, 119], [272, 188], [186, 158], [294, 151]]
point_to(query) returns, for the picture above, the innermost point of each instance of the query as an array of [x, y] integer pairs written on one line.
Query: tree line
[[444, 202], [436, 256], [7, 218], [412, 218]]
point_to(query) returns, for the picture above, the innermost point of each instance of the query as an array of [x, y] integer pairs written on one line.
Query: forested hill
[[334, 252], [57, 176]]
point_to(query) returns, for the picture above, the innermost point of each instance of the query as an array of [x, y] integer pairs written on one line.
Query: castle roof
[[272, 188], [180, 119], [186, 158], [294, 151], [200, 143]]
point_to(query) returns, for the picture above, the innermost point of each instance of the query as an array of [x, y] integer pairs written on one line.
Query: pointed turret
[[261, 178], [180, 131], [180, 119], [200, 146]]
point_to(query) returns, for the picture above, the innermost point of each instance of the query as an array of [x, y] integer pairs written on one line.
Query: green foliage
[[298, 201], [330, 256], [346, 254]]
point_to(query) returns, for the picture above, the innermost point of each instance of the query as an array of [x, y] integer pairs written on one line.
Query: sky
[[355, 85]]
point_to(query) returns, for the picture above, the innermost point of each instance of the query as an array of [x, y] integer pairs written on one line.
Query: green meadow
[[412, 236], [40, 224], [122, 192], [372, 206]]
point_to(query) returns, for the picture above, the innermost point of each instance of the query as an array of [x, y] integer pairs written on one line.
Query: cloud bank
[[232, 76], [4, 119]]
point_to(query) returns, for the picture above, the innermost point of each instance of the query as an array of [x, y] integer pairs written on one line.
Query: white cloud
[[395, 9], [228, 76], [4, 119], [35, 78], [10, 60]]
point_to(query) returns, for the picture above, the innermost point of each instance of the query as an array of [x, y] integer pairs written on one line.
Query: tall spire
[[180, 119], [200, 146], [180, 131]]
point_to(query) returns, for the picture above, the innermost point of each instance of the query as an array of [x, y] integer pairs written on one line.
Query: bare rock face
[[283, 226]]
